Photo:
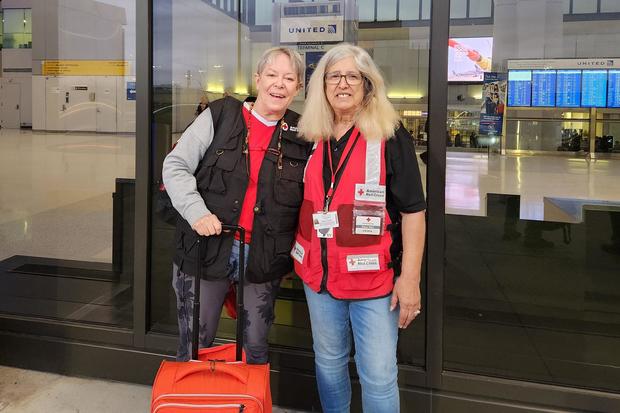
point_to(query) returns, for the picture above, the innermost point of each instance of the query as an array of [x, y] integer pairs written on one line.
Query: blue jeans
[[375, 331]]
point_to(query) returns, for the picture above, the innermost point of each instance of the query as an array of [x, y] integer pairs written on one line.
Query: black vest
[[222, 179]]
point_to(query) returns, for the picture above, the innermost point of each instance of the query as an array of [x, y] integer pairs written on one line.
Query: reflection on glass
[[585, 6], [532, 224], [480, 8], [187, 69], [68, 125]]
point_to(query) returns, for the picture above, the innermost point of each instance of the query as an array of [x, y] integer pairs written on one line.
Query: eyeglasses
[[352, 79]]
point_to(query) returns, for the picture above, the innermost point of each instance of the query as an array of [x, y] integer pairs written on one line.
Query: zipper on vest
[[324, 263]]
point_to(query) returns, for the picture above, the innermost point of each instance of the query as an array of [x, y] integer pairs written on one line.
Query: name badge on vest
[[368, 219], [368, 225], [298, 253], [370, 193], [363, 262], [325, 220]]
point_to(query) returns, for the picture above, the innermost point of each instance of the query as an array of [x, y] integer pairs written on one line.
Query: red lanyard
[[345, 154]]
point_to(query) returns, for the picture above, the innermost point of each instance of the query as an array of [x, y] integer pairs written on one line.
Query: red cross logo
[[352, 262], [361, 192], [368, 219]]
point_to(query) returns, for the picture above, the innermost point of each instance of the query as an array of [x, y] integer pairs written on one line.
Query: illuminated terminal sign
[[565, 83], [311, 29], [320, 22]]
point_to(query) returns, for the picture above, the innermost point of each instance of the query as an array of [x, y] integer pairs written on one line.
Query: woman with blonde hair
[[360, 238]]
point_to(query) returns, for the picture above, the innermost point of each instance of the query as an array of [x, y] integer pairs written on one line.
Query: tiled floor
[[55, 189], [26, 391], [56, 192]]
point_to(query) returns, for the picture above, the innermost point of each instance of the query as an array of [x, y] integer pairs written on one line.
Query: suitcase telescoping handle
[[240, 305]]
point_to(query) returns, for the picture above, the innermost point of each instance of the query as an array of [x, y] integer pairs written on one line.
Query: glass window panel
[[28, 21], [585, 6], [183, 74], [264, 12], [426, 9], [366, 10], [610, 6], [66, 230], [386, 11], [566, 6], [532, 250], [13, 20], [458, 9], [480, 8], [409, 9]]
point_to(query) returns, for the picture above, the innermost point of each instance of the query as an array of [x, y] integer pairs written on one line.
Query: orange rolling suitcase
[[217, 379]]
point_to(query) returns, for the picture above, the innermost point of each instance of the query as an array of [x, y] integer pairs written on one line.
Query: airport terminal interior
[[532, 176]]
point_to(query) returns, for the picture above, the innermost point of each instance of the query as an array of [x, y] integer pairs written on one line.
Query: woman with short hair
[[238, 163], [360, 239]]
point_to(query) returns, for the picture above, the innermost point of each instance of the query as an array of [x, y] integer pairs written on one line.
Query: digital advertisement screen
[[568, 89], [469, 58], [543, 88], [613, 89], [520, 88], [594, 88]]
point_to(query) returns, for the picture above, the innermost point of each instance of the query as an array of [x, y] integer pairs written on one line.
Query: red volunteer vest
[[358, 266]]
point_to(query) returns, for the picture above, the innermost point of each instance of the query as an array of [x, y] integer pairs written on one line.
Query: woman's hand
[[407, 296], [406, 292], [208, 225]]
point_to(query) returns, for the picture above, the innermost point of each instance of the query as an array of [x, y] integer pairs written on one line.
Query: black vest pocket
[[288, 186], [270, 256], [217, 166]]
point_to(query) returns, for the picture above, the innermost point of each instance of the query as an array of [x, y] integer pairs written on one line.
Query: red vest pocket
[[344, 232], [361, 271], [309, 271], [305, 219]]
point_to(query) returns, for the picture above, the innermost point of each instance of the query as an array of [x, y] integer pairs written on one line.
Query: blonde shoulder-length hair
[[377, 119]]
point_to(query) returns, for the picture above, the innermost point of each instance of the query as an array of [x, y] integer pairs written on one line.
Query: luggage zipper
[[241, 407], [205, 395]]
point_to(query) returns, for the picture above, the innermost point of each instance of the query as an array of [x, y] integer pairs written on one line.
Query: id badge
[[368, 220], [368, 225], [325, 220]]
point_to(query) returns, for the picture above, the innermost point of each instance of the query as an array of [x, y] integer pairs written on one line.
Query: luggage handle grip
[[214, 367]]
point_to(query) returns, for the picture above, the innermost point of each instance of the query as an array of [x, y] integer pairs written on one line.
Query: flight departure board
[[613, 89], [564, 88], [568, 88], [594, 88], [520, 88], [543, 88]]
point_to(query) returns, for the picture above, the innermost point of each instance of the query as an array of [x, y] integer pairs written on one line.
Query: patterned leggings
[[259, 310]]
